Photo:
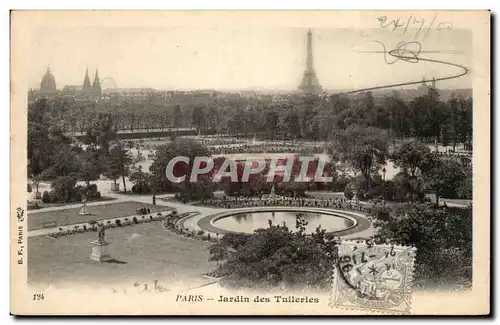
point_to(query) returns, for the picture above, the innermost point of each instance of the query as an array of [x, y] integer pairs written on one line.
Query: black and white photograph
[[250, 163]]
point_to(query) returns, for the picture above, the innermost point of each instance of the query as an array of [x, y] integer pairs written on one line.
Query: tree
[[399, 117], [90, 165], [413, 157], [362, 148], [199, 118], [444, 177], [427, 115], [464, 120], [270, 120], [464, 190], [292, 123], [46, 142], [118, 164], [179, 147], [63, 186], [143, 182], [404, 188], [453, 108], [63, 164], [177, 116]]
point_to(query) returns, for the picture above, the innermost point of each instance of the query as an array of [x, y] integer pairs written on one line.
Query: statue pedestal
[[84, 211], [100, 251]]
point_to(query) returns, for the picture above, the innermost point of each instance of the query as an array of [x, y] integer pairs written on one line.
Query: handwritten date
[[420, 27]]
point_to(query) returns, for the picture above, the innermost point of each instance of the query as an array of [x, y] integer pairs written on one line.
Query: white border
[[185, 4]]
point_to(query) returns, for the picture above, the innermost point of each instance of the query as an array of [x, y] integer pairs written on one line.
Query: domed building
[[48, 84]]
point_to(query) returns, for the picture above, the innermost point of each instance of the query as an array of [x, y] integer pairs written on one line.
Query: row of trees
[[363, 150], [292, 116], [52, 156]]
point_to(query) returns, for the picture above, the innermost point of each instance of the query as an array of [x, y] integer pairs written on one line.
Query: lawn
[[144, 252], [460, 202], [98, 212], [50, 205]]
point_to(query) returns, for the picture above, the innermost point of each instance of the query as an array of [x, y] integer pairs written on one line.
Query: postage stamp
[[374, 277]]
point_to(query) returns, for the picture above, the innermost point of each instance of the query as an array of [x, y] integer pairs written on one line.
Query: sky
[[243, 57]]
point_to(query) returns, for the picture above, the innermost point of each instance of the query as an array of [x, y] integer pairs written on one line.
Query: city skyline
[[240, 58]]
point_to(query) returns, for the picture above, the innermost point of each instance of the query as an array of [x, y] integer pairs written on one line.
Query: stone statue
[[100, 246], [273, 193], [83, 209], [101, 233]]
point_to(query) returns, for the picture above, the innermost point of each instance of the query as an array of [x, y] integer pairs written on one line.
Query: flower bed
[[249, 202], [175, 224], [111, 223]]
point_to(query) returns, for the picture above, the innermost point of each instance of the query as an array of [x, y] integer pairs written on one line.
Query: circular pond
[[247, 222]]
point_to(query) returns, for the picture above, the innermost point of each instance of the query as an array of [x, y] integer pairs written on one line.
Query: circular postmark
[[375, 274]]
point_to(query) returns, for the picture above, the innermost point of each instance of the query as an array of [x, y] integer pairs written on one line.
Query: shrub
[[440, 236], [141, 188], [45, 197], [274, 256], [200, 232], [76, 193], [348, 192], [134, 219], [98, 194], [92, 190], [118, 222], [54, 197], [339, 184], [382, 213], [63, 186]]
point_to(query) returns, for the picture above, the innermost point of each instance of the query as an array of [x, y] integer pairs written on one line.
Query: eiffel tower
[[310, 84]]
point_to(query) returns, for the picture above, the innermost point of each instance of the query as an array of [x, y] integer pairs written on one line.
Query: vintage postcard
[[250, 163]]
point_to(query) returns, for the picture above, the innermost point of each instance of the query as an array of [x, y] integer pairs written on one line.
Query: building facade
[[88, 91]]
